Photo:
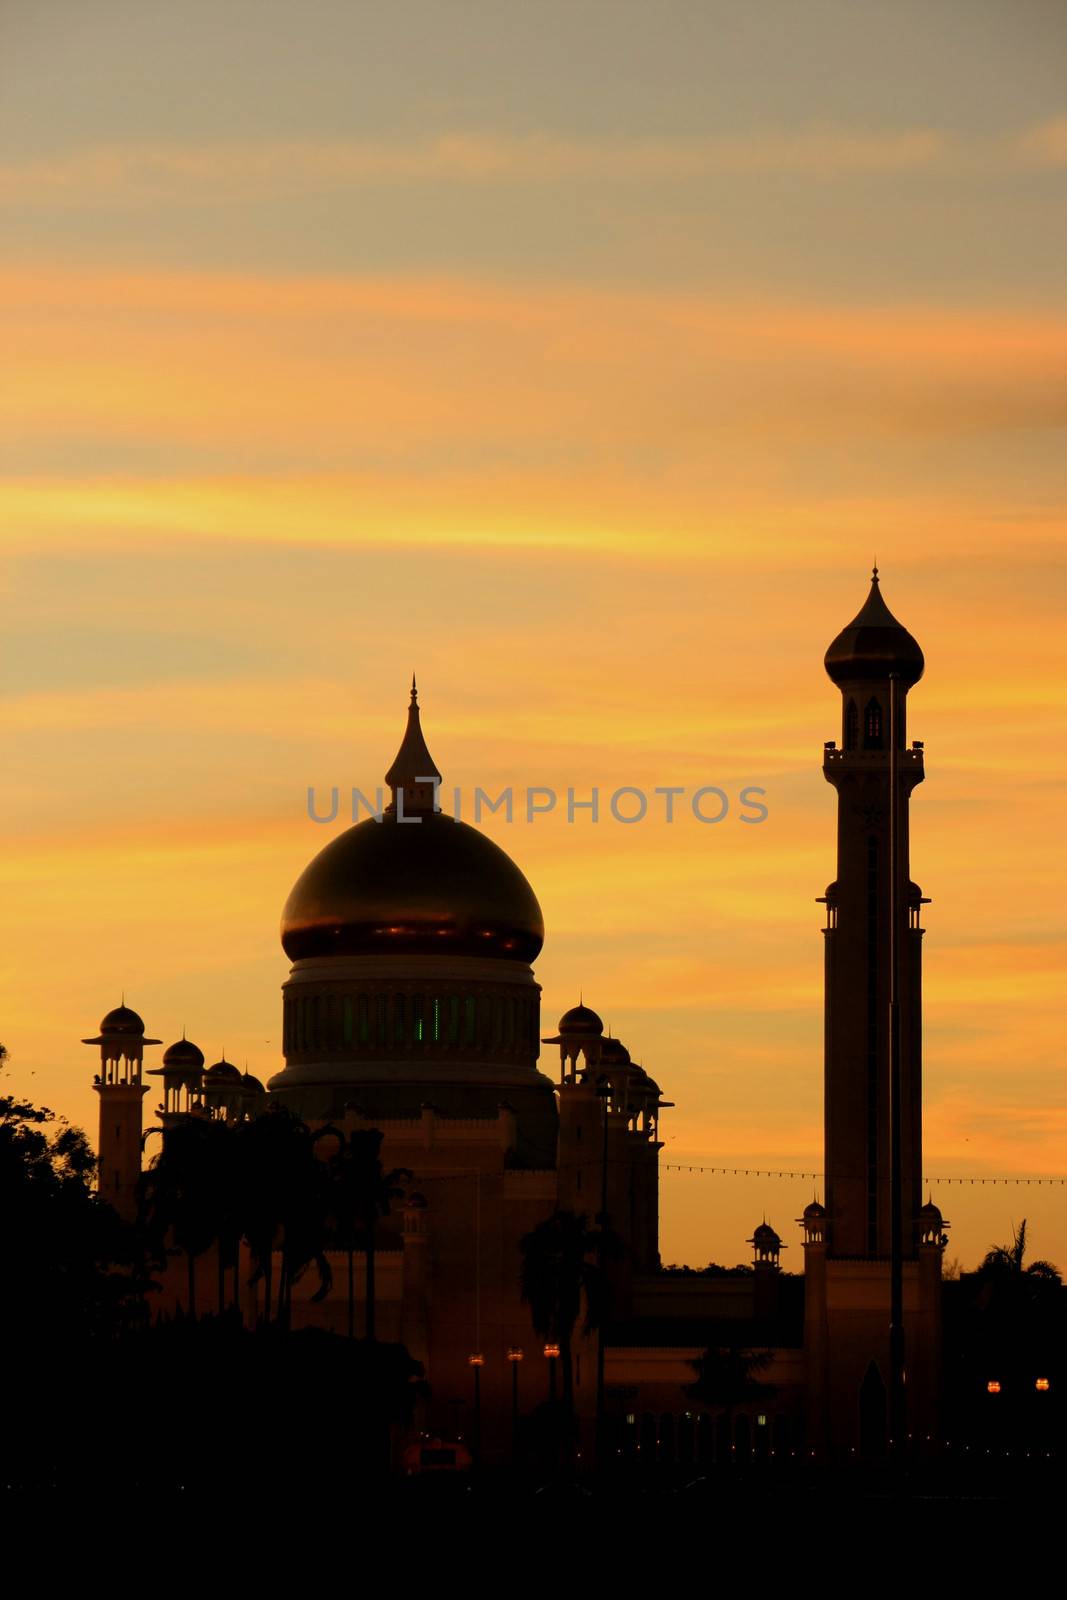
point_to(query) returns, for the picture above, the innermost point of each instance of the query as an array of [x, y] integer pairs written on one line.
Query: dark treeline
[[101, 1386]]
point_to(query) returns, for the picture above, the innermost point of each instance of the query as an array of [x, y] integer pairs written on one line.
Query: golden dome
[[416, 883]]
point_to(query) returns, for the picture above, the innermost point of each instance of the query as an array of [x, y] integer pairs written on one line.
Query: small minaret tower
[[121, 1040], [767, 1250], [182, 1072]]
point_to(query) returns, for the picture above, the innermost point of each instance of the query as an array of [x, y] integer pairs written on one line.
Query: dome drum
[[444, 1013]]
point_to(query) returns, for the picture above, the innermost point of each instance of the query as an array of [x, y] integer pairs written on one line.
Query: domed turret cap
[[579, 1023], [874, 646], [182, 1056], [121, 1022], [223, 1072]]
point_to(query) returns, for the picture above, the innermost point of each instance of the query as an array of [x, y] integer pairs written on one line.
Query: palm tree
[[360, 1194], [1004, 1263], [560, 1272], [1017, 1302], [283, 1206], [726, 1378], [178, 1198]]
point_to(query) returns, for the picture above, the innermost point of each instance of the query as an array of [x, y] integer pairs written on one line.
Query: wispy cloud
[[444, 377], [147, 173]]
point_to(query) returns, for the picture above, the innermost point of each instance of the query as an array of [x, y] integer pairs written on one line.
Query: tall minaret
[[122, 1041], [874, 662]]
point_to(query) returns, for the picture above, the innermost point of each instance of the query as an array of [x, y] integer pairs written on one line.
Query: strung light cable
[[782, 1172]]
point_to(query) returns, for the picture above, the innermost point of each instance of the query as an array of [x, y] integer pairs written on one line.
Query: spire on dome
[[413, 769]]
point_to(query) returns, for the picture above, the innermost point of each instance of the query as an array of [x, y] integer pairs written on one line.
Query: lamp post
[[603, 1089], [552, 1356], [515, 1356], [476, 1362]]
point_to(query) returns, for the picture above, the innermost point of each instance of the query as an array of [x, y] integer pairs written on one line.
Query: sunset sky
[[583, 357]]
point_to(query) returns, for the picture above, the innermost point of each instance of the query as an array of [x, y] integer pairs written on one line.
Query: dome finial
[[874, 571], [413, 770]]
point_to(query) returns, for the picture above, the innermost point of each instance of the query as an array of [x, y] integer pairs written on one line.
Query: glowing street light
[[515, 1357], [993, 1386], [552, 1356], [477, 1362]]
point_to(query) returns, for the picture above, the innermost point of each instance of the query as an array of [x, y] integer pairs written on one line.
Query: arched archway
[[873, 1420]]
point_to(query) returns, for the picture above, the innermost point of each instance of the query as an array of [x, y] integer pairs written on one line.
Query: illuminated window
[[416, 1018], [852, 726], [436, 1019], [872, 726]]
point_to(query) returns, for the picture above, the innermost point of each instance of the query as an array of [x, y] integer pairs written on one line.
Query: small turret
[[183, 1075], [121, 1041], [766, 1246]]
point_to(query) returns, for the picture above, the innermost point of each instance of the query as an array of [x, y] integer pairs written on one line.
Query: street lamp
[[552, 1356], [515, 1356], [993, 1386], [603, 1089], [1042, 1385], [477, 1362]]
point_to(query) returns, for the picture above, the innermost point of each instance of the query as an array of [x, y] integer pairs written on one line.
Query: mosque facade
[[412, 1007]]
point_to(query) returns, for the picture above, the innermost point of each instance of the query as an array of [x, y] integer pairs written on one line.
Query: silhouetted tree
[[360, 1194], [560, 1274], [284, 1205], [1006, 1265], [180, 1194], [727, 1378], [70, 1264]]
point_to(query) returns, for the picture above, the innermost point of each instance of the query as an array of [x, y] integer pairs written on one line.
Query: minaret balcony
[[833, 758]]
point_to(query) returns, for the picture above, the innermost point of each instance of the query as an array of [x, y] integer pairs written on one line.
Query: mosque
[[412, 1007]]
